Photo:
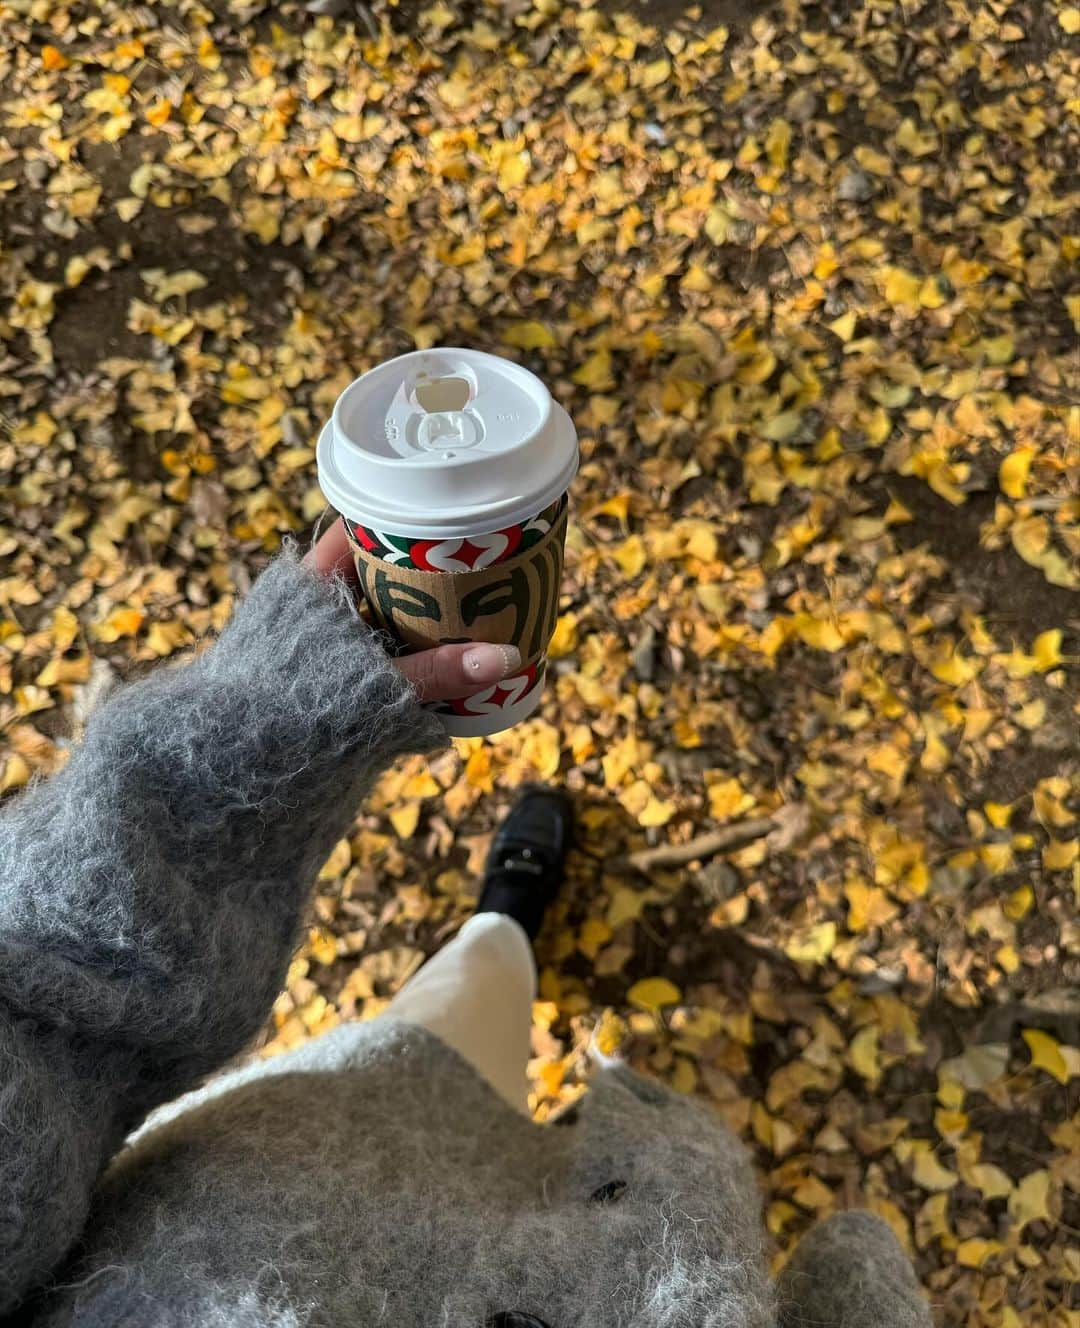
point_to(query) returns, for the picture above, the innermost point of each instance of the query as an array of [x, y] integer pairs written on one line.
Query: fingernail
[[486, 663]]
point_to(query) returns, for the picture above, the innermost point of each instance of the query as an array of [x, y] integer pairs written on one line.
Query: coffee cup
[[451, 468]]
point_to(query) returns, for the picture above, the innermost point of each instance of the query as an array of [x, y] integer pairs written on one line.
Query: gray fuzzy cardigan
[[150, 895]]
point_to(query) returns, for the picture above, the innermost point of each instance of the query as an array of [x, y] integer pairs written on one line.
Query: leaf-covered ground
[[801, 274]]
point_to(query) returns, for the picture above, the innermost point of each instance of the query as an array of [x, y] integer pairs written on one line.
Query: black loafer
[[527, 861]]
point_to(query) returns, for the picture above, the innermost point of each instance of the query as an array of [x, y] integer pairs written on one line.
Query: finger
[[332, 553], [454, 671]]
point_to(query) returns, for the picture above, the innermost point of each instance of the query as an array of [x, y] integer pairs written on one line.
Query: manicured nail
[[486, 663]]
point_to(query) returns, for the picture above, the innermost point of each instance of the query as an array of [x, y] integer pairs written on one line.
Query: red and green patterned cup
[[450, 468]]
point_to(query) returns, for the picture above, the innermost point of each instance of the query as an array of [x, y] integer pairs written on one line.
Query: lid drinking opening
[[445, 420], [438, 394]]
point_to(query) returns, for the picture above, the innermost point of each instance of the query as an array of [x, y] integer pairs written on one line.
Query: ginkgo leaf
[[529, 335], [812, 945], [989, 1180], [166, 285], [1046, 1054], [653, 994], [1013, 472], [655, 73], [1030, 1201], [926, 1168], [595, 373]]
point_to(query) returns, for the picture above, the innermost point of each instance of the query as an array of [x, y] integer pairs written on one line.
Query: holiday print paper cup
[[450, 468]]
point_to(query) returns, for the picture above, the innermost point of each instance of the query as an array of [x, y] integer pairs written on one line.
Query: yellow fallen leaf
[[594, 933], [626, 905], [1013, 471], [1049, 800], [1046, 650], [631, 555], [877, 163], [757, 367], [1030, 538], [975, 1251], [404, 819], [64, 670], [1032, 715], [123, 621], [728, 798], [656, 812], [955, 669], [783, 426], [1007, 958], [53, 58], [1060, 854], [165, 286], [321, 945], [844, 326], [655, 73], [564, 639], [16, 773], [777, 143], [640, 801], [595, 373], [1030, 1201], [901, 287], [610, 1034], [530, 335], [338, 862], [812, 945], [990, 1181], [652, 994], [865, 1054], [819, 633], [926, 1170], [931, 294], [696, 280], [998, 350], [1060, 571], [1018, 905], [165, 637], [75, 271], [1046, 1054], [421, 785], [542, 748], [868, 906], [65, 627], [996, 857]]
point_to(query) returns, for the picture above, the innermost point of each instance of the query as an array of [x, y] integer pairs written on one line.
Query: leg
[[476, 995]]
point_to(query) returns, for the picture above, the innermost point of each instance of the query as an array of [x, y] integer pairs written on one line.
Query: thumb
[[455, 671]]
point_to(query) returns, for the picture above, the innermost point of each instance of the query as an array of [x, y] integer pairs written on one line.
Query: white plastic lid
[[446, 442]]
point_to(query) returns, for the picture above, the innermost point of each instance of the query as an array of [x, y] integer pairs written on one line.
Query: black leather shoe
[[528, 856]]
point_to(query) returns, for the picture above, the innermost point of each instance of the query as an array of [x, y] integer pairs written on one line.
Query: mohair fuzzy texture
[[849, 1272], [151, 893], [150, 897]]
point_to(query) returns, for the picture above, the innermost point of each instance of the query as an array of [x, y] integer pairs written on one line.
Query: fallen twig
[[702, 846]]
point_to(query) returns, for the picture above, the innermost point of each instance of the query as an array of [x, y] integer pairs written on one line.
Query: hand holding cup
[[442, 674], [450, 468]]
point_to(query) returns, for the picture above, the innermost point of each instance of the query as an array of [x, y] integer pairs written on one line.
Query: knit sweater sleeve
[[848, 1272], [151, 893]]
